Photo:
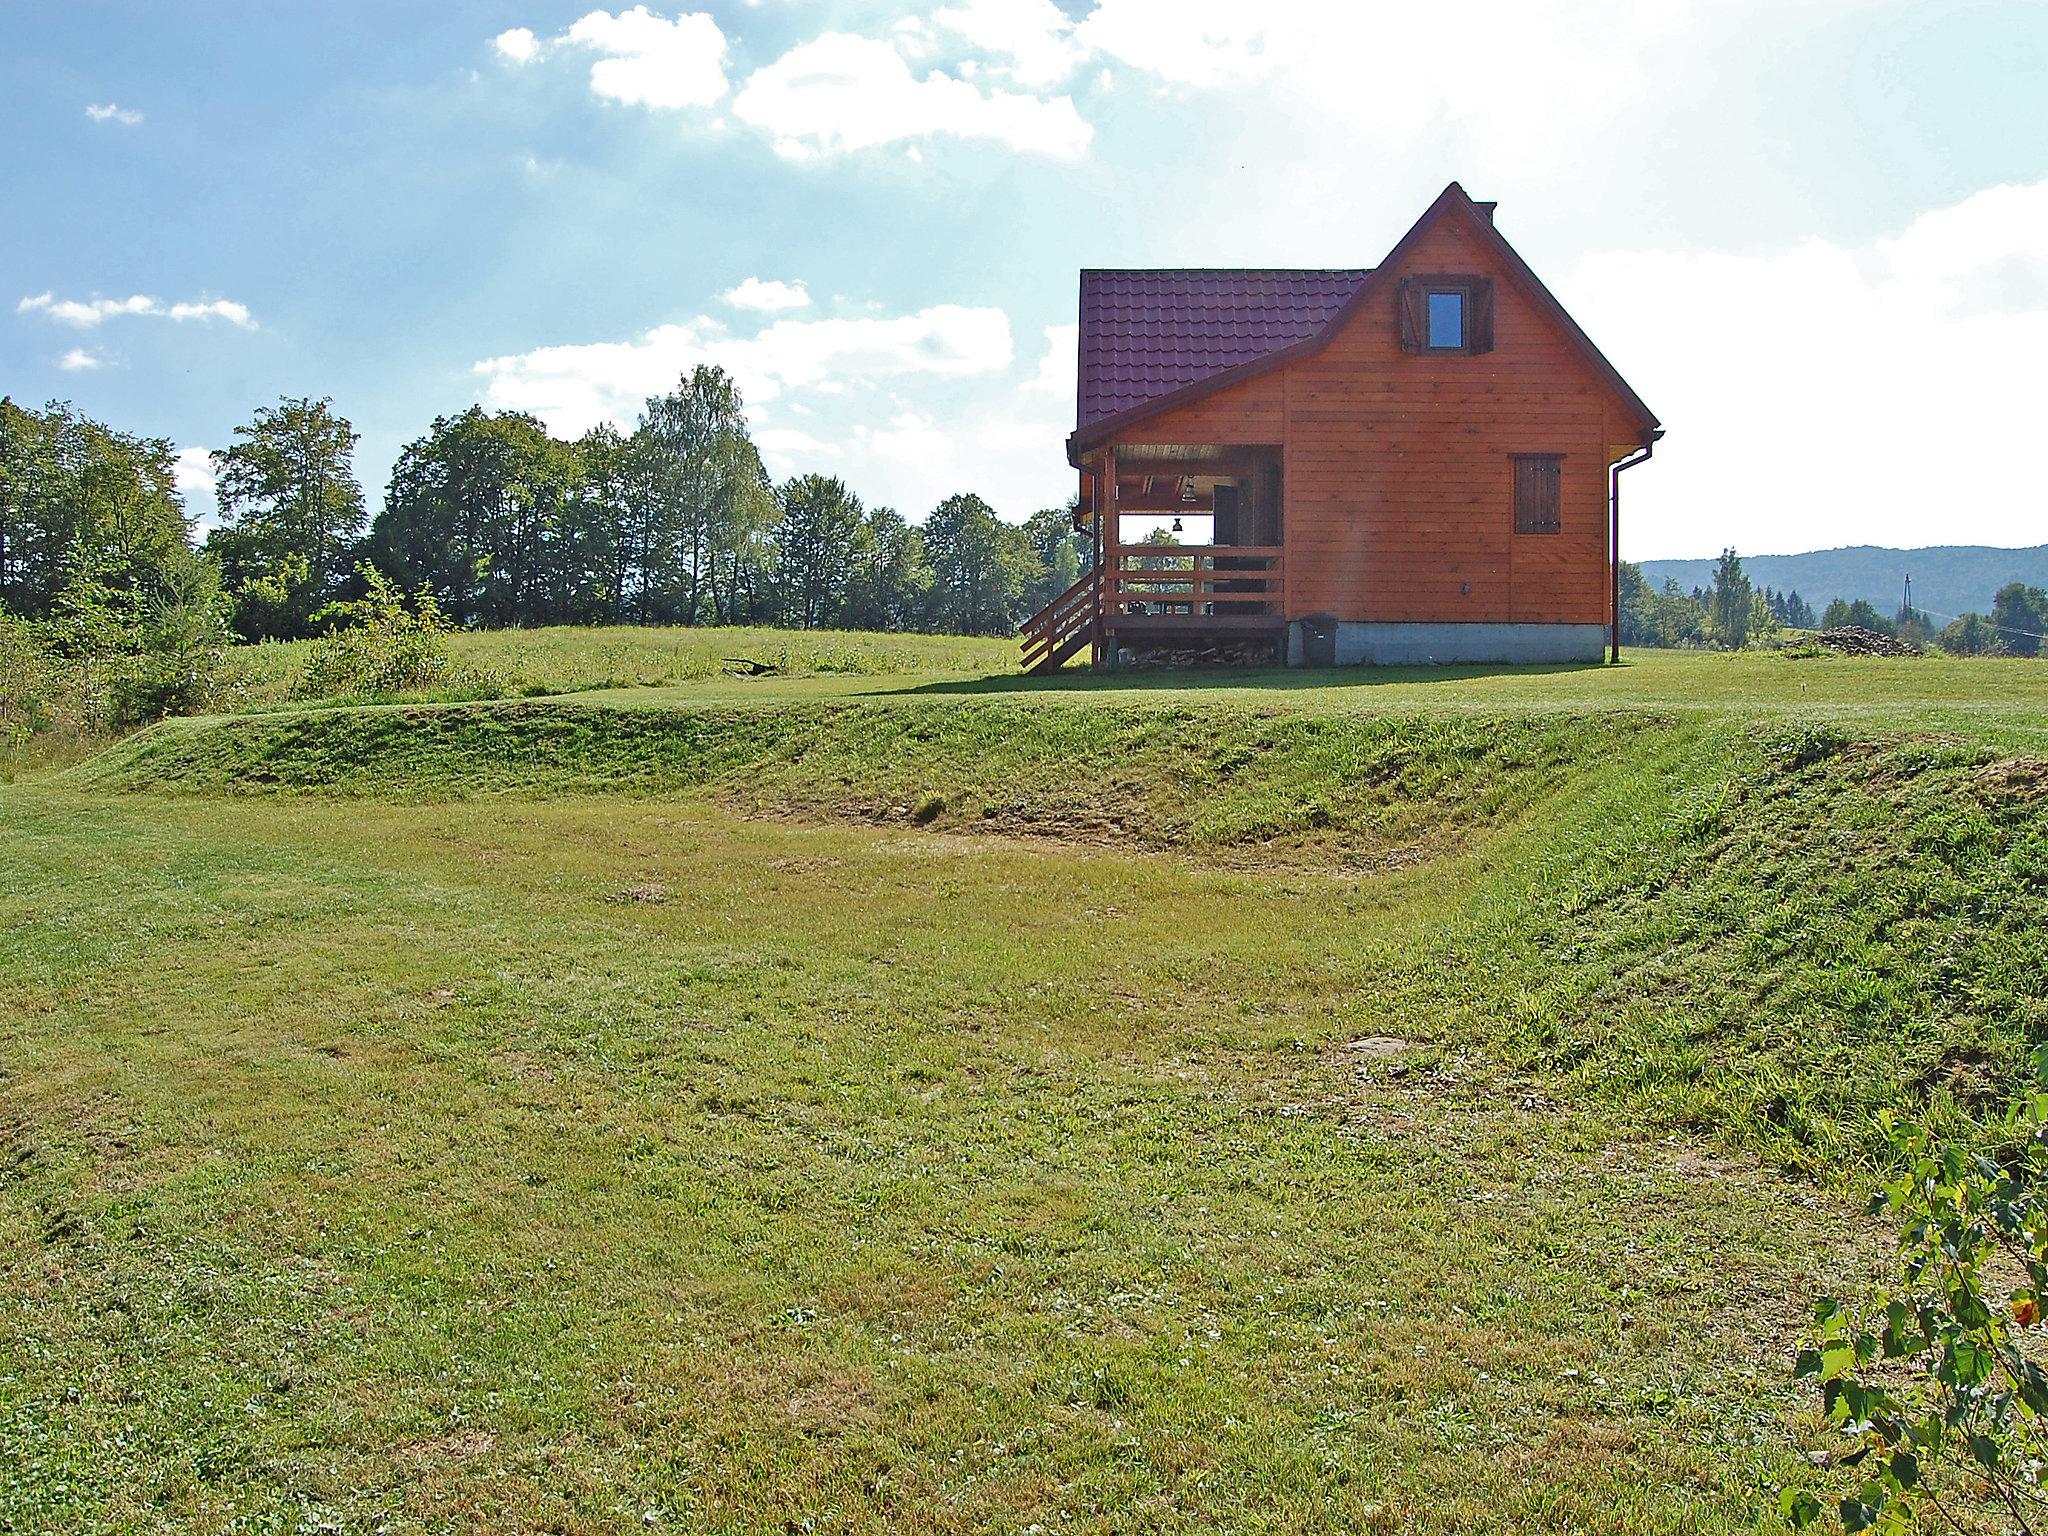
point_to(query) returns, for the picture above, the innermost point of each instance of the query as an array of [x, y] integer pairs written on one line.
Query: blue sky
[[1814, 235]]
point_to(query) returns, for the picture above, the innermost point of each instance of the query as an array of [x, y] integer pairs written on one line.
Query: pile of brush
[[1855, 640], [1218, 653]]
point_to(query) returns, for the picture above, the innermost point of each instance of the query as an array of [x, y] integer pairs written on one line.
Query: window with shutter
[[1538, 479], [1446, 313]]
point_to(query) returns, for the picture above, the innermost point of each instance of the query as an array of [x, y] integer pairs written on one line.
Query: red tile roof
[[1145, 334]]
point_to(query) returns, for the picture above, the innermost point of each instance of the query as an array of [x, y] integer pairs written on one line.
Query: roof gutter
[[1614, 542]]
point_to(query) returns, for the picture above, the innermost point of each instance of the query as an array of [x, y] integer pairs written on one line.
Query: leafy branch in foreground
[[1931, 1381]]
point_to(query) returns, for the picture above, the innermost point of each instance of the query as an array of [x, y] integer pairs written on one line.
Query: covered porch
[[1188, 550]]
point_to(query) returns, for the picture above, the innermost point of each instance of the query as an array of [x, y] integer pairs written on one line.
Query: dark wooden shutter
[[1479, 315], [1538, 479], [1414, 307]]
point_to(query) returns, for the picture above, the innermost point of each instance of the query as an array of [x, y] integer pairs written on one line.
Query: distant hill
[[1948, 579]]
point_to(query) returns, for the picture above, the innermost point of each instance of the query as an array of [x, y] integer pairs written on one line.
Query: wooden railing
[[1062, 626], [1194, 579]]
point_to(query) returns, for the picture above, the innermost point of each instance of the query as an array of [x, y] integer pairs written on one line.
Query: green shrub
[[380, 647], [178, 642], [30, 686], [1931, 1382]]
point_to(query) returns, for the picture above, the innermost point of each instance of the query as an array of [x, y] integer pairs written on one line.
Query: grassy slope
[[553, 1158], [541, 1166], [1762, 928]]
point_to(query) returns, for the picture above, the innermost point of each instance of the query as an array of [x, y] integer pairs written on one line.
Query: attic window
[[1448, 313], [1447, 320]]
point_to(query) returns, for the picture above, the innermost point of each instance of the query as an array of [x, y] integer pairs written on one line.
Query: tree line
[[1731, 612], [503, 524], [675, 522]]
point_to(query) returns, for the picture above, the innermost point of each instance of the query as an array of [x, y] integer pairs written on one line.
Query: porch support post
[[1093, 483], [1110, 562]]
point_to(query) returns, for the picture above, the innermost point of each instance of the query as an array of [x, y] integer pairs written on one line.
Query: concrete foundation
[[1427, 645]]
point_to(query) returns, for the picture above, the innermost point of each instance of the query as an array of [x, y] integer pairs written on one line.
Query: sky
[[1813, 234]]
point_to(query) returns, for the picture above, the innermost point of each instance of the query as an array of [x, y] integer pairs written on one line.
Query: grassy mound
[[1775, 937], [1153, 777], [1768, 934]]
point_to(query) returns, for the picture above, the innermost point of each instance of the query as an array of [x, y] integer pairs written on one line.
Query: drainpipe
[[1614, 545]]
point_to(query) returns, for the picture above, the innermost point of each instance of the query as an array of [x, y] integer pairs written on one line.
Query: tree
[[1971, 635], [981, 568], [476, 513], [815, 549], [2021, 614], [1062, 553], [741, 584], [708, 499], [1729, 603], [889, 585], [1914, 625], [1860, 613], [292, 513], [604, 536], [74, 490], [1668, 618], [1789, 609]]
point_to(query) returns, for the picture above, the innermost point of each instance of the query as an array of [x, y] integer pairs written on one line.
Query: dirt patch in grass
[[649, 893], [1380, 1047]]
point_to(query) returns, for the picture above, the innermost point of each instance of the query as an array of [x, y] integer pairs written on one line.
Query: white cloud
[[1832, 394], [768, 294], [1525, 82], [78, 360], [785, 451], [113, 112], [1055, 374], [518, 44], [651, 61], [572, 388], [839, 92], [909, 438], [192, 473], [193, 470], [91, 312], [1034, 38]]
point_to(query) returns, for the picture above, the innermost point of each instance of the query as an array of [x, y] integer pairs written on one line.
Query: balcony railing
[[1194, 580]]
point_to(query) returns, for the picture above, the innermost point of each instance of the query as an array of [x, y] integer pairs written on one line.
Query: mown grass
[[547, 1116], [1761, 930], [573, 659], [571, 1164]]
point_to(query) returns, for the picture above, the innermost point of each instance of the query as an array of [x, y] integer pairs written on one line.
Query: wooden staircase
[[1059, 629]]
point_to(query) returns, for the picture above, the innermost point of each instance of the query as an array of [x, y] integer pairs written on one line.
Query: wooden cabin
[[1415, 462]]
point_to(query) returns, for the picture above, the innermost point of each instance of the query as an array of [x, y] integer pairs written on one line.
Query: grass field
[[894, 1100]]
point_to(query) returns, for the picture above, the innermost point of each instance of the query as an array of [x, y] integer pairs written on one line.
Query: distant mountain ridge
[[1948, 579]]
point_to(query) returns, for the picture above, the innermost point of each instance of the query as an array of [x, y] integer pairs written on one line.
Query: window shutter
[[1414, 307], [1479, 316], [1538, 482]]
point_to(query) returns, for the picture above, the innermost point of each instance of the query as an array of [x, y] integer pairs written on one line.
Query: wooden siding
[[1251, 412], [1398, 483]]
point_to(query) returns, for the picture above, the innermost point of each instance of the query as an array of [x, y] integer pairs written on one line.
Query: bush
[[1931, 1382], [380, 646], [30, 682], [178, 642], [114, 656]]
